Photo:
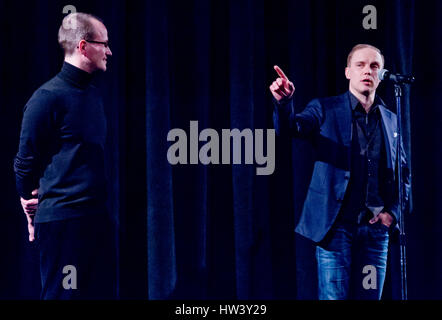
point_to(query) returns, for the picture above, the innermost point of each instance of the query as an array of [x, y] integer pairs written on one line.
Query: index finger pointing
[[280, 72]]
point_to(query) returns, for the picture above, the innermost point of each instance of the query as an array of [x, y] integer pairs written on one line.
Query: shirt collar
[[354, 102]]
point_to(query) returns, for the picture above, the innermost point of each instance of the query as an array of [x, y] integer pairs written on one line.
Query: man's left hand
[[29, 208], [385, 217]]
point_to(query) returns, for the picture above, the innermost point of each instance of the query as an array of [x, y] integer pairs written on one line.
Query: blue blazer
[[328, 121]]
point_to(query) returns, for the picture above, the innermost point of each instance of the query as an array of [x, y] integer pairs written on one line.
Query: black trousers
[[77, 258]]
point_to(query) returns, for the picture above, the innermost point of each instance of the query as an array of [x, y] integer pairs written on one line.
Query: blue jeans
[[352, 262]]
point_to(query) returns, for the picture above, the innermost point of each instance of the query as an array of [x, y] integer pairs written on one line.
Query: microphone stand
[[403, 257]]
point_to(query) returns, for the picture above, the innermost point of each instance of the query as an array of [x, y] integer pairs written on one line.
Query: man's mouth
[[367, 81]]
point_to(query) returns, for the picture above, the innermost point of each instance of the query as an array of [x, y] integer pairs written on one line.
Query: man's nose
[[367, 70], [108, 52]]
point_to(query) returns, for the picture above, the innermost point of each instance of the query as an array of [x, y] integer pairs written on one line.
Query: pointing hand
[[282, 87]]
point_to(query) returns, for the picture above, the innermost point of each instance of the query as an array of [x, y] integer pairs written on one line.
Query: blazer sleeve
[[406, 183], [302, 124]]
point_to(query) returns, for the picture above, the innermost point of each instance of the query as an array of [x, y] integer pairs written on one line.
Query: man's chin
[[101, 68], [366, 91]]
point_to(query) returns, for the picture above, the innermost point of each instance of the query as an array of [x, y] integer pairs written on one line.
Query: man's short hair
[[362, 46], [75, 27]]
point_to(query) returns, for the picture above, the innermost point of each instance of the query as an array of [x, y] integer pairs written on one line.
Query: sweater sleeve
[[37, 132]]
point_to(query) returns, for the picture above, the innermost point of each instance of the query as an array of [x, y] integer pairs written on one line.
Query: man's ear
[[82, 47], [347, 73]]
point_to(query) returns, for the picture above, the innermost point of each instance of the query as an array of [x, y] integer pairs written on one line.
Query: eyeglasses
[[105, 44]]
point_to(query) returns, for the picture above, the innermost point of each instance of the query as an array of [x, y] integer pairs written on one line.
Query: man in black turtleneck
[[60, 169]]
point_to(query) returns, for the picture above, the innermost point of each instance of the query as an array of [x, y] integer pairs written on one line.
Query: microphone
[[384, 74]]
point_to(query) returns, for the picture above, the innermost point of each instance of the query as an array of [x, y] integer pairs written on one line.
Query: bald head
[[75, 27]]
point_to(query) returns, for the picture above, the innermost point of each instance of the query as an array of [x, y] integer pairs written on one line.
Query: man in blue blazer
[[352, 201]]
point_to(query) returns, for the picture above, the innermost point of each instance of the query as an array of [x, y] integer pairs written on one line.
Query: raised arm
[[285, 120]]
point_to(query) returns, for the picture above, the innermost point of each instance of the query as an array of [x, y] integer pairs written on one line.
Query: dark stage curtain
[[221, 231]]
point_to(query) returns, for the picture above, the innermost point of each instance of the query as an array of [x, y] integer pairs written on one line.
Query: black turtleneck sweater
[[61, 148]]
